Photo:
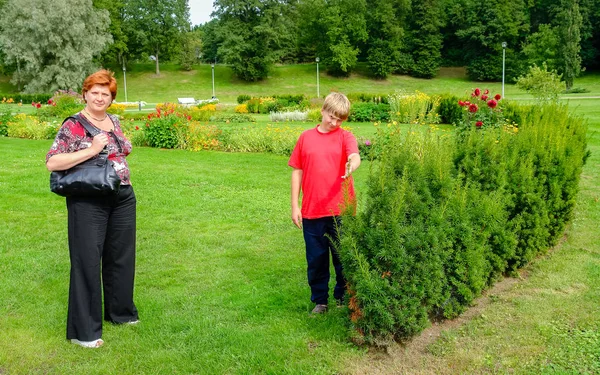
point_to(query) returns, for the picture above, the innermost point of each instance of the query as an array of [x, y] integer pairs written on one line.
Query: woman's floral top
[[72, 137]]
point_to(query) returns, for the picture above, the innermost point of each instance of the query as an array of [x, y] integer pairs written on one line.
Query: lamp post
[[213, 80], [318, 89], [125, 80], [503, 64]]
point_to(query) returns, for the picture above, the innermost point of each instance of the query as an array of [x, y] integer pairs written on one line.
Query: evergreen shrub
[[369, 112], [449, 110], [444, 216]]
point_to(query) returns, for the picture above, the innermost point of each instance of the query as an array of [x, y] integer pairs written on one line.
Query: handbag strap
[[94, 131]]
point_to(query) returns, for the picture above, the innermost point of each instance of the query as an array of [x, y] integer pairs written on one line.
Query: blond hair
[[338, 105]]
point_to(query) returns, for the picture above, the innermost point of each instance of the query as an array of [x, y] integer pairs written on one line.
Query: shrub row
[[446, 216], [27, 98]]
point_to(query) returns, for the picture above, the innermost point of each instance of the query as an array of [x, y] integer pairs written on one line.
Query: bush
[[5, 117], [279, 141], [23, 126], [252, 105], [201, 137], [362, 97], [289, 116], [418, 108], [27, 98], [443, 217], [62, 105], [449, 110], [163, 128], [369, 112], [233, 118], [243, 98], [242, 108], [543, 84]]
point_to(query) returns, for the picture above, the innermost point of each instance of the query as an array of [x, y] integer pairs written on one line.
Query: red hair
[[103, 78]]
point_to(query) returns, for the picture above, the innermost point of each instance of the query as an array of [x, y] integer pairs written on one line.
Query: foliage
[[5, 117], [250, 36], [190, 49], [426, 40], [243, 98], [418, 108], [544, 85], [24, 126], [163, 128], [53, 47], [368, 112], [481, 28], [201, 137], [569, 22], [62, 104], [276, 140], [444, 216], [241, 108], [155, 27], [449, 110], [368, 97], [482, 112], [289, 116]]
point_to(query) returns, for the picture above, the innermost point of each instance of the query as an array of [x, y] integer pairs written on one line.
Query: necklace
[[93, 118]]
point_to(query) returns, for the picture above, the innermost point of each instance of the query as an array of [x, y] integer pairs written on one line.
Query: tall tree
[[52, 42], [568, 25], [335, 29], [117, 50], [156, 26], [481, 29], [250, 33], [386, 23], [426, 39]]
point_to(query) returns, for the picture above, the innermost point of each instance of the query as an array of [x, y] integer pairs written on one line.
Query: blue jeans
[[320, 235]]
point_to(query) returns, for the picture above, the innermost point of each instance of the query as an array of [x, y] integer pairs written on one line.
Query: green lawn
[[172, 83], [221, 279]]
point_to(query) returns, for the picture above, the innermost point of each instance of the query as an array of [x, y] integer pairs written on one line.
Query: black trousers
[[102, 251]]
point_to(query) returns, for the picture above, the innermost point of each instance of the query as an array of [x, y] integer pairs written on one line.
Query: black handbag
[[95, 177]]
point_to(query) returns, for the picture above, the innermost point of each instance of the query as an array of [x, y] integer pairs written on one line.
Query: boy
[[323, 161]]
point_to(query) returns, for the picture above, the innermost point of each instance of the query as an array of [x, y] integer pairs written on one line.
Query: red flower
[[38, 105], [461, 103], [492, 103], [497, 97], [473, 108], [479, 124], [477, 92], [50, 101], [467, 103], [137, 128], [486, 92], [484, 97]]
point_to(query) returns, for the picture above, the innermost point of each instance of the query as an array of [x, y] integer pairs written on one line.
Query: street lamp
[[213, 80], [318, 91], [503, 60], [125, 80]]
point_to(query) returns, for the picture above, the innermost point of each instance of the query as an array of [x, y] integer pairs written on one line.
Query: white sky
[[200, 11]]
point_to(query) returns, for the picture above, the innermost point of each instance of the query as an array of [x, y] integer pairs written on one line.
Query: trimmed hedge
[[446, 216]]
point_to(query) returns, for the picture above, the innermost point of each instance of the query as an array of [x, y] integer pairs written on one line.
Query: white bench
[[187, 101]]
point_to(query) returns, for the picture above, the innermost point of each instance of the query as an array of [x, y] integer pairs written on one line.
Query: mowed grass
[[172, 83], [220, 281]]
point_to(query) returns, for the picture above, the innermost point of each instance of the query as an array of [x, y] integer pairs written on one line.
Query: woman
[[101, 230]]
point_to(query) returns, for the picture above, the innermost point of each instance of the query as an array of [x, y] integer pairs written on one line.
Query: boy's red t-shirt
[[322, 158]]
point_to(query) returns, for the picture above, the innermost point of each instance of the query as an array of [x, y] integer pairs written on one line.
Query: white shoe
[[133, 322], [89, 344]]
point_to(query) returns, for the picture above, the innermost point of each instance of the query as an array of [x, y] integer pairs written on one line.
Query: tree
[[190, 48], [568, 26], [334, 30], [52, 42], [155, 27], [385, 23], [250, 33], [482, 27], [116, 51], [544, 85], [426, 39]]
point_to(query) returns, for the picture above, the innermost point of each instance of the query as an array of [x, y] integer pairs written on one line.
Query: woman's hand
[[98, 143]]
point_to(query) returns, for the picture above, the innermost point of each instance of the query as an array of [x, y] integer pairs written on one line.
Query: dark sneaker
[[319, 309], [339, 302]]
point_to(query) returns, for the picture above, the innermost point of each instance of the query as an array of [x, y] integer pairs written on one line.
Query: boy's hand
[[297, 217], [348, 170]]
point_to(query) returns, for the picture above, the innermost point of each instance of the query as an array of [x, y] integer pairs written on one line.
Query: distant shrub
[[233, 118], [242, 108], [449, 110], [243, 98], [417, 108], [252, 105], [24, 126], [368, 97], [576, 90], [289, 116], [62, 105], [369, 112]]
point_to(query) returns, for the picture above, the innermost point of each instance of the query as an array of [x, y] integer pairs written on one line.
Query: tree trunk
[[156, 61]]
